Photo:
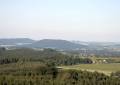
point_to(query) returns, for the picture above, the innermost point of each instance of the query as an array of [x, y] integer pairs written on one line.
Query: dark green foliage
[[68, 77], [2, 50], [44, 56], [8, 60]]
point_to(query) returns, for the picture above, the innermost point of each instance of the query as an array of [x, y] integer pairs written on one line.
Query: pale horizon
[[81, 20]]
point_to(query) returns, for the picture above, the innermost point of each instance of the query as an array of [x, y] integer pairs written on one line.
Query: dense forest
[[43, 56]]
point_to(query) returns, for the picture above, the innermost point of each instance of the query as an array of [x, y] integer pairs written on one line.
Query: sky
[[83, 20]]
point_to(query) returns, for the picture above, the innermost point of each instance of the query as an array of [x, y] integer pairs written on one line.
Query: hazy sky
[[84, 20]]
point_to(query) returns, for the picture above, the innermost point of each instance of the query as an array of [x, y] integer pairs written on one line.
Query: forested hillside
[[15, 41], [55, 44], [43, 56]]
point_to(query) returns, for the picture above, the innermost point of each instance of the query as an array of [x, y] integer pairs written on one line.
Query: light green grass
[[102, 68]]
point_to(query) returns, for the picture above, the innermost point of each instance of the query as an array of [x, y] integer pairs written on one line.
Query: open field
[[102, 68]]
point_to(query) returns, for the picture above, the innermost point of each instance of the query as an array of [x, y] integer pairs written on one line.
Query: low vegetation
[[47, 74], [50, 67], [102, 68]]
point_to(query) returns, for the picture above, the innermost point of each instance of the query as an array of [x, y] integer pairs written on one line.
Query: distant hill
[[15, 41], [100, 45], [55, 44]]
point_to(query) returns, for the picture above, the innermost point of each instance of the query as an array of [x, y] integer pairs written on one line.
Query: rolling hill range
[[60, 44], [15, 41], [55, 44]]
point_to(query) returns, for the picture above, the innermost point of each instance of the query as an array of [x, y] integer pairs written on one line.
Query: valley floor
[[102, 68]]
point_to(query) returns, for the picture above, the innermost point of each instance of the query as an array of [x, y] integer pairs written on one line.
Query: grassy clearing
[[102, 68]]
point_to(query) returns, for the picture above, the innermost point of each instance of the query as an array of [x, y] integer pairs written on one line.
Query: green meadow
[[102, 68]]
